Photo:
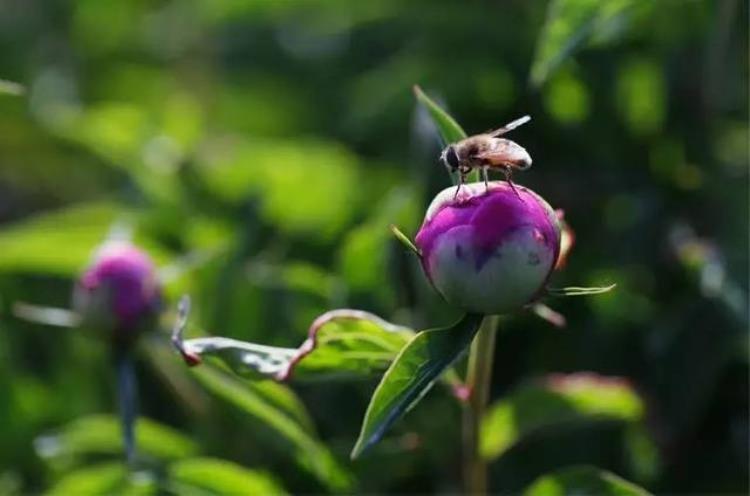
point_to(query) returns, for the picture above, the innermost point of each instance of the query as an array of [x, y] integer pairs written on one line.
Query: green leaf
[[60, 242], [419, 364], [220, 477], [571, 23], [584, 480], [580, 291], [11, 88], [642, 95], [310, 452], [294, 276], [364, 257], [249, 360], [404, 239], [284, 398], [642, 453], [557, 400], [101, 434], [349, 342], [341, 342], [105, 478], [290, 196], [450, 131]]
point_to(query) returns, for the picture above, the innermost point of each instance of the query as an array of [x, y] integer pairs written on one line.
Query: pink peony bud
[[119, 293], [489, 251]]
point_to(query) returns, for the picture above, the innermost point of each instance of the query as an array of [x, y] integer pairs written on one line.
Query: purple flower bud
[[119, 293], [489, 251]]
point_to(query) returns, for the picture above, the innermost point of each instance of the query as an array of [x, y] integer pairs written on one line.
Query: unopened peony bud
[[119, 293], [489, 251]]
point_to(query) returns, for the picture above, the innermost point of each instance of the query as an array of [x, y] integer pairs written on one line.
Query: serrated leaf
[[583, 480], [340, 343], [571, 23], [450, 131], [310, 452], [101, 434], [419, 364], [580, 291], [215, 476], [555, 401]]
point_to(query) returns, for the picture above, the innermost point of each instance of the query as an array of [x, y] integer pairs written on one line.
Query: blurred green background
[[259, 150]]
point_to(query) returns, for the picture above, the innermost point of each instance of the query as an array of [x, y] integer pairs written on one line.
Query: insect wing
[[510, 126]]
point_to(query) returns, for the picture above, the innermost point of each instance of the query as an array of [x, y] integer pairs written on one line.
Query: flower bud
[[489, 251], [119, 293]]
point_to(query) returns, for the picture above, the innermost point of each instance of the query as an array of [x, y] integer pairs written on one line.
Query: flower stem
[[127, 397], [478, 379]]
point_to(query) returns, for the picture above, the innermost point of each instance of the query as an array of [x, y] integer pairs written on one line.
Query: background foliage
[[259, 150]]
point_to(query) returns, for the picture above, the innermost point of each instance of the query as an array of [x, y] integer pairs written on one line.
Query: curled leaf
[[347, 340], [183, 310], [339, 342]]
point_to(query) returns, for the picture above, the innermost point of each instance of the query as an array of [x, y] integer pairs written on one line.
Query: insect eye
[[451, 157]]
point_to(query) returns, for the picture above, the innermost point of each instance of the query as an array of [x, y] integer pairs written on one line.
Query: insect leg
[[485, 174], [461, 179], [508, 174]]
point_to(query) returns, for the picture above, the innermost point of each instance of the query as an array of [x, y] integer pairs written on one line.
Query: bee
[[487, 151]]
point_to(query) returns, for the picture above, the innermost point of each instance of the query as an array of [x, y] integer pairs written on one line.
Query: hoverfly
[[487, 151]]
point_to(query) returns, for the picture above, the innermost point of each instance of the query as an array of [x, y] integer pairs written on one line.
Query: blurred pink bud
[[119, 293], [489, 251]]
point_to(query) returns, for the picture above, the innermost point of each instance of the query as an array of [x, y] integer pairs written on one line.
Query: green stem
[[478, 379]]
